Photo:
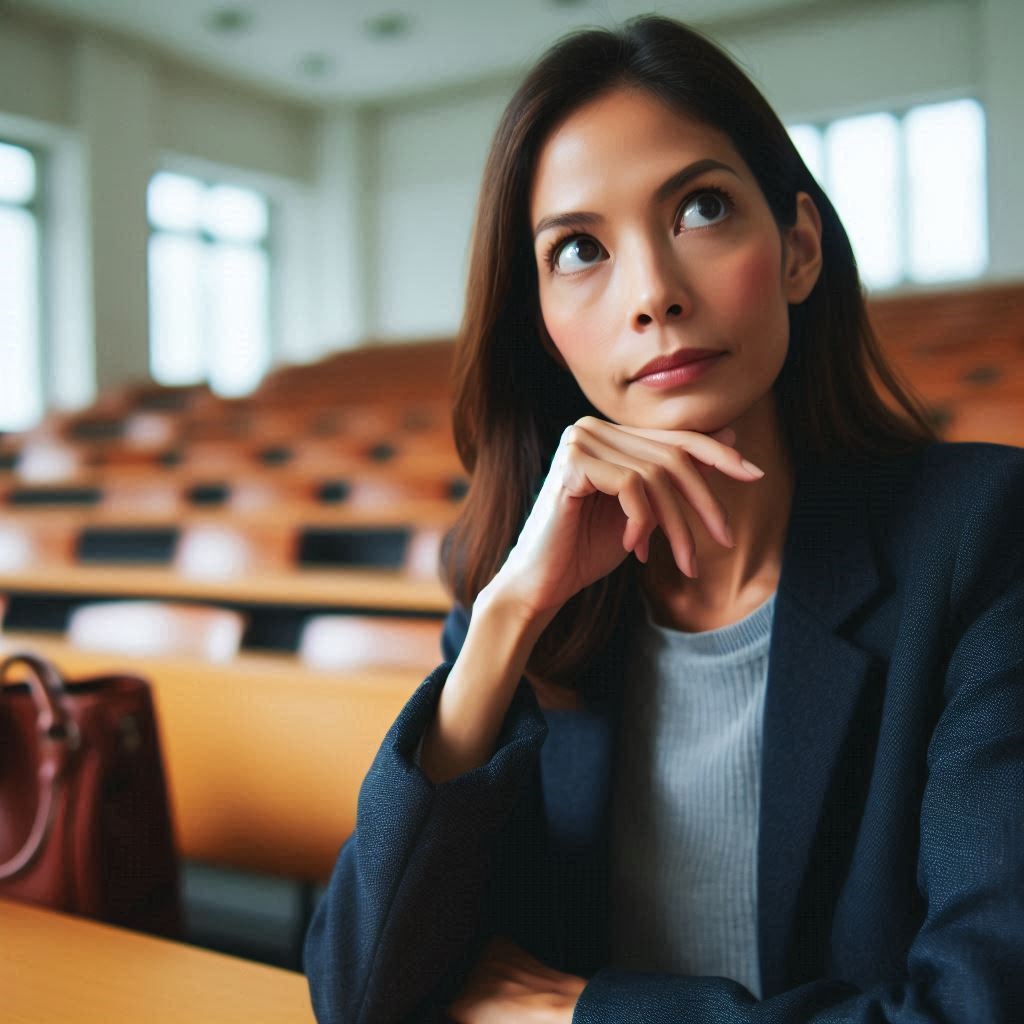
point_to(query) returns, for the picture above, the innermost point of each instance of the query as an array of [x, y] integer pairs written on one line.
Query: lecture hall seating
[[266, 750]]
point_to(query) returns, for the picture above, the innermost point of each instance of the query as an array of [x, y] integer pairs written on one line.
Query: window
[[209, 282], [910, 189], [21, 388]]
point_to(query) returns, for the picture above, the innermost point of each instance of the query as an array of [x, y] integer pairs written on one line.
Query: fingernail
[[752, 469]]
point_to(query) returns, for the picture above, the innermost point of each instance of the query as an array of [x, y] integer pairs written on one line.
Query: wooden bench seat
[[264, 756]]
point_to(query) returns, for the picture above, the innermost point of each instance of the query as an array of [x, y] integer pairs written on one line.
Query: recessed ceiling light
[[316, 65], [228, 21], [392, 25]]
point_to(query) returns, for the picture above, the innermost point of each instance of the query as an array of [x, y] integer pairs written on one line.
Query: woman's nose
[[673, 312], [658, 294]]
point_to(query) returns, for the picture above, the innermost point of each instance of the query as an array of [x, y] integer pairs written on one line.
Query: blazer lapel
[[815, 679]]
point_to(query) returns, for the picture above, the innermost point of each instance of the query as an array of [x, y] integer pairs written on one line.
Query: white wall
[[34, 83], [1002, 53], [375, 204], [340, 236], [116, 96], [109, 114], [428, 158], [861, 57], [853, 58]]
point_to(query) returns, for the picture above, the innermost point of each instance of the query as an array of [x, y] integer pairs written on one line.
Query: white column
[[1003, 84], [114, 93], [341, 242]]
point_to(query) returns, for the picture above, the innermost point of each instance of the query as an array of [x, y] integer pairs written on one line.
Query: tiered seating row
[[963, 353], [265, 753]]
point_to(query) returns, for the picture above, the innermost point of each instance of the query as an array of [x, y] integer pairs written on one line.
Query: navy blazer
[[891, 836]]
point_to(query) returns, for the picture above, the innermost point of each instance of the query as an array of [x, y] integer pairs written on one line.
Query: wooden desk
[[321, 588], [264, 757], [60, 968]]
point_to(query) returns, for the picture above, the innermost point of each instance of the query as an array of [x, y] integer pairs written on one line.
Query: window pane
[[175, 309], [945, 146], [17, 174], [174, 202], [21, 398], [807, 140], [235, 214], [240, 344], [865, 184]]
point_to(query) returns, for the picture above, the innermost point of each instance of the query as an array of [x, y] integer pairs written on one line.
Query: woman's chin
[[706, 423]]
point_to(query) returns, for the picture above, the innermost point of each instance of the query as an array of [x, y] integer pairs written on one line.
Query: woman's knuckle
[[678, 462], [572, 439], [656, 474]]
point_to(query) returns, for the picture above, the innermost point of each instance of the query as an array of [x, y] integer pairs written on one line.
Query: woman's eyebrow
[[694, 170], [583, 218], [578, 219]]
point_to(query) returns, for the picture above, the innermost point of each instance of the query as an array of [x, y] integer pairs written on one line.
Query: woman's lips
[[681, 373]]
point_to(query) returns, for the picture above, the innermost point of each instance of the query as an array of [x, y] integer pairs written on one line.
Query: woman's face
[[653, 242]]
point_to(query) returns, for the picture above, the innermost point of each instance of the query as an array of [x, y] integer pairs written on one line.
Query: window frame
[[37, 208], [906, 282], [209, 178]]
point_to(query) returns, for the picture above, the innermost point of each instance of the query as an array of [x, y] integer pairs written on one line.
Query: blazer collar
[[816, 673]]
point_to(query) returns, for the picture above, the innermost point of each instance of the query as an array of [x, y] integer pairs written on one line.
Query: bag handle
[[59, 738]]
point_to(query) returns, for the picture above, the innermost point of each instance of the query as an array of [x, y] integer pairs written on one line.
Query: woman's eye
[[578, 254], [702, 210]]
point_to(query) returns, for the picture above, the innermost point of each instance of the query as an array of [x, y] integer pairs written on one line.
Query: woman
[[735, 732]]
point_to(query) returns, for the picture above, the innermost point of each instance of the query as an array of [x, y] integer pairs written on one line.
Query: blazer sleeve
[[399, 924], [966, 963]]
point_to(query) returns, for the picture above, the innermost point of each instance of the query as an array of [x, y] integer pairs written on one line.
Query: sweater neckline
[[751, 631]]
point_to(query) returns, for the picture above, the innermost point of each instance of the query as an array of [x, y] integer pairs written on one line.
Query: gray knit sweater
[[685, 805]]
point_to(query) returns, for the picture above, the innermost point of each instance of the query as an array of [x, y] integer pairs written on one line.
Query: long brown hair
[[835, 392]]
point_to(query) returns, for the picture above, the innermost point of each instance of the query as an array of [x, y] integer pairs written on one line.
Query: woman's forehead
[[623, 140]]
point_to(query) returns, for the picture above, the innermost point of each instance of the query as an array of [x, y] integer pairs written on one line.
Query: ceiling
[[325, 51]]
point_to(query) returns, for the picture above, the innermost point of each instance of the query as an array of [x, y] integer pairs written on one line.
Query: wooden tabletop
[[60, 968], [334, 588]]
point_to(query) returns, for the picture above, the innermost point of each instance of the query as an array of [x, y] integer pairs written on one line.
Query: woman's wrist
[[480, 687], [502, 600]]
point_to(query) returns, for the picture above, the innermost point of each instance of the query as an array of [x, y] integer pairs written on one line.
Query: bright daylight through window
[[21, 392], [910, 190], [209, 280]]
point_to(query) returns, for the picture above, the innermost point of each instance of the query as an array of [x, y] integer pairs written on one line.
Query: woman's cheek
[[588, 357], [575, 330], [753, 283]]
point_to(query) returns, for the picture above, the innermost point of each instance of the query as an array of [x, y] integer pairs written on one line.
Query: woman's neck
[[731, 582]]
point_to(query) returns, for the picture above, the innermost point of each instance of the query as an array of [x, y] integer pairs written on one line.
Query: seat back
[[350, 641], [155, 628]]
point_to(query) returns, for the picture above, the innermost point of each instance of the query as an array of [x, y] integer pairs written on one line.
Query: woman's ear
[[802, 251], [549, 346]]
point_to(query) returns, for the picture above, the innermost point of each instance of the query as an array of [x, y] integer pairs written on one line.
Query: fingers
[[666, 465], [646, 493], [584, 474], [711, 449]]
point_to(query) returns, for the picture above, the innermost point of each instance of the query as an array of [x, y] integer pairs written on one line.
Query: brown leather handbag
[[85, 823]]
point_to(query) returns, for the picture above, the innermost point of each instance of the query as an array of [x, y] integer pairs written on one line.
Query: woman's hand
[[608, 489], [509, 986]]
